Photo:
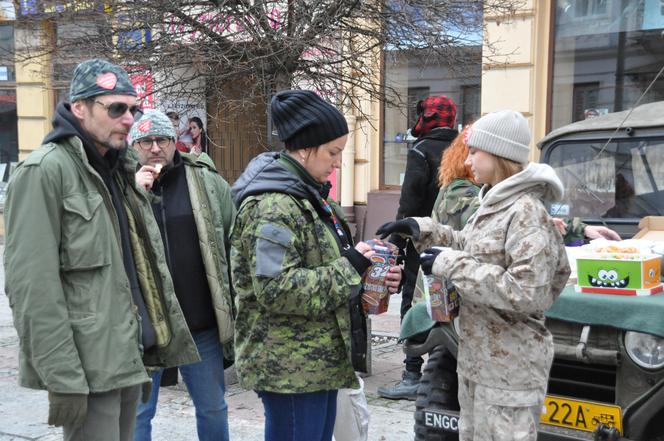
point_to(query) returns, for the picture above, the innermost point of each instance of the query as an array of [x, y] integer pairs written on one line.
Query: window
[[606, 53], [6, 50], [623, 180], [409, 78]]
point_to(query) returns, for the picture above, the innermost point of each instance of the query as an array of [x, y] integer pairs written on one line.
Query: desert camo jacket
[[292, 330], [509, 265]]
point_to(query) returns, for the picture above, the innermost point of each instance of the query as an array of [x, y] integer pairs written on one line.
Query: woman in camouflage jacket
[[300, 329], [509, 265]]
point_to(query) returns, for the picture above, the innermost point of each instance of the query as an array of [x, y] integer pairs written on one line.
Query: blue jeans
[[299, 417], [205, 383]]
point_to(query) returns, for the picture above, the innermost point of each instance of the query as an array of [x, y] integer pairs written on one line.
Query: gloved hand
[[146, 391], [67, 409], [428, 257], [406, 227], [400, 242]]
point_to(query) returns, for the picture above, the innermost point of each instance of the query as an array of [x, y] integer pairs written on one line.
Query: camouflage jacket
[[509, 265], [292, 329], [575, 232], [455, 204]]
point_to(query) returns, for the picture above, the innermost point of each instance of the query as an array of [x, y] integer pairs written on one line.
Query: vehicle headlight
[[645, 350]]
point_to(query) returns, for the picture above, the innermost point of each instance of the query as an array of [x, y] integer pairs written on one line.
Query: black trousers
[[411, 267]]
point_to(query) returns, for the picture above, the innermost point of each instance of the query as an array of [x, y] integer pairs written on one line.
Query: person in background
[[174, 117], [87, 280], [455, 204], [434, 131], [195, 212], [199, 137], [576, 233], [300, 330], [509, 265]]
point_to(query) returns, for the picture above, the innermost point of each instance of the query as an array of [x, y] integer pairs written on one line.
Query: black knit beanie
[[304, 120]]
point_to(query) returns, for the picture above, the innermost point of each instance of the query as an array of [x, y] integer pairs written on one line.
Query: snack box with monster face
[[619, 273]]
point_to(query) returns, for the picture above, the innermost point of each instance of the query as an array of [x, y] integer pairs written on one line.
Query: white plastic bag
[[352, 423]]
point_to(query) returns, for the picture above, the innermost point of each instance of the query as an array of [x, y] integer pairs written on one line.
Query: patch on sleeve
[[271, 246]]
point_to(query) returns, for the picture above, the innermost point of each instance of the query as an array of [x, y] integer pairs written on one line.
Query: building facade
[[555, 61]]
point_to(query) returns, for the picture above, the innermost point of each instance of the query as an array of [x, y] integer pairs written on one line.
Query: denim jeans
[[299, 417], [205, 383]]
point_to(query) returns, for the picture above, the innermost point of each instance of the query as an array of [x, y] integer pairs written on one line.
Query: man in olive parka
[[86, 277]]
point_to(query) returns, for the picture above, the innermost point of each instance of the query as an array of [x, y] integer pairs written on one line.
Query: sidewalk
[[23, 412]]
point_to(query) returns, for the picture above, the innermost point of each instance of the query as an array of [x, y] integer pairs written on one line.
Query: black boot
[[406, 389]]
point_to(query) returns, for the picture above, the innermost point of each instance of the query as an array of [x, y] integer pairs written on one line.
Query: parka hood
[[534, 178], [266, 174]]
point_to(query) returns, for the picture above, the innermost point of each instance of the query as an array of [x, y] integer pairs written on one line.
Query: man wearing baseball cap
[[86, 276]]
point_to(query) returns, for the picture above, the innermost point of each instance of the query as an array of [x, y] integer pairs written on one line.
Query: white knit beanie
[[504, 133]]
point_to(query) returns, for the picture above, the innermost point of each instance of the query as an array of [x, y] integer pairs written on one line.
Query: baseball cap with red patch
[[99, 77], [434, 111]]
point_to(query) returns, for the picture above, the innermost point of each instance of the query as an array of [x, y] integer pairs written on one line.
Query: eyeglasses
[[116, 110], [146, 143]]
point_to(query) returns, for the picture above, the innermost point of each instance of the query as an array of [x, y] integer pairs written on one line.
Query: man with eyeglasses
[[86, 275], [194, 210]]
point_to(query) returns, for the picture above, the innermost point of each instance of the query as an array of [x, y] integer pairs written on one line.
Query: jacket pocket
[[271, 247], [84, 236]]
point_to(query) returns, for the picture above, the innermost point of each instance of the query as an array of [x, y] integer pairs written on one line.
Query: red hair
[[452, 164]]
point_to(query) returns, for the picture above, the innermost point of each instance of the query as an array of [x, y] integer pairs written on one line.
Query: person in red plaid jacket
[[434, 131]]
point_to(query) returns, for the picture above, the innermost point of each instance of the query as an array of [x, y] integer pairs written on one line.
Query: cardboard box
[[631, 272], [651, 228]]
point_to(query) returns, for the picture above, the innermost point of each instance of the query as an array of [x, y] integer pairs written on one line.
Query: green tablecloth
[[632, 313]]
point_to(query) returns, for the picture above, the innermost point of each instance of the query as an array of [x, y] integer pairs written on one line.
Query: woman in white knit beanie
[[509, 265]]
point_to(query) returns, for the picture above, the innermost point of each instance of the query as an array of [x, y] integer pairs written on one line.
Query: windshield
[[626, 180]]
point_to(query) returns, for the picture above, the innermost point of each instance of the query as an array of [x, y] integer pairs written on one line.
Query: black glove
[[146, 391], [406, 227], [359, 262], [67, 409], [400, 242], [428, 257]]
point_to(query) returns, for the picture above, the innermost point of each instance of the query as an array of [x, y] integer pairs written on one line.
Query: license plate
[[580, 415], [448, 422]]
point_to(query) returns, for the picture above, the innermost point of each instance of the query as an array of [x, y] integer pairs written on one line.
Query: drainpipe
[[348, 172]]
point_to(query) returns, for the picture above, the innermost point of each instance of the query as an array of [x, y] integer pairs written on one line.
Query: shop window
[[606, 54], [7, 73], [411, 77]]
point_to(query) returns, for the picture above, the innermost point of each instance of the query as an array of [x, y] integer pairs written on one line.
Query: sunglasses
[[116, 110], [146, 143]]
